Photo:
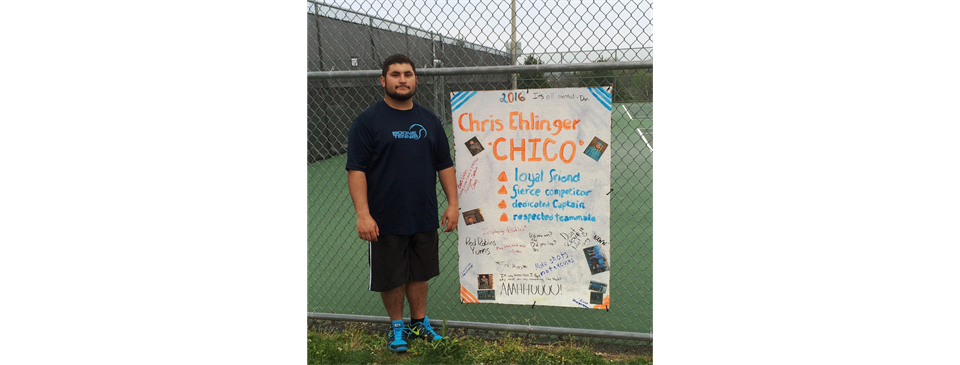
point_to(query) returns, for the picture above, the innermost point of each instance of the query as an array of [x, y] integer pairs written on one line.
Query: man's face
[[400, 83]]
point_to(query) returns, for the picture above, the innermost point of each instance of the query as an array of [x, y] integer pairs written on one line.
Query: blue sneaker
[[424, 331], [395, 338]]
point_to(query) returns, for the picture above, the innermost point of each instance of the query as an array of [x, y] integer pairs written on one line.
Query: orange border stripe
[[467, 296]]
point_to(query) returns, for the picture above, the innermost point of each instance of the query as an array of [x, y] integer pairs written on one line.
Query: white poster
[[533, 174]]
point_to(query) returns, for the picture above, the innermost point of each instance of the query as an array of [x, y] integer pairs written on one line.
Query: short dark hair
[[395, 59]]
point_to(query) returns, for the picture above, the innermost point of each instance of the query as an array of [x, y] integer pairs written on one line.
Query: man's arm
[[367, 228], [448, 180]]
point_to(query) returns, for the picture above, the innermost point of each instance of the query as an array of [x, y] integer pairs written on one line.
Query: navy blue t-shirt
[[400, 151]]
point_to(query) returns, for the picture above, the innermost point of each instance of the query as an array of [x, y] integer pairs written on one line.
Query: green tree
[[597, 78], [628, 85], [532, 80]]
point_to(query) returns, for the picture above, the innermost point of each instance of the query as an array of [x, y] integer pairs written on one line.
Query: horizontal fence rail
[[488, 70], [438, 323]]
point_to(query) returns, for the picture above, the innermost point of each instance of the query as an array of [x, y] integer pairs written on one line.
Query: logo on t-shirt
[[415, 132]]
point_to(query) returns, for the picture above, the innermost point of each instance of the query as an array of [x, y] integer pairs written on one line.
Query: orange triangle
[[503, 204], [503, 217], [503, 176], [503, 190]]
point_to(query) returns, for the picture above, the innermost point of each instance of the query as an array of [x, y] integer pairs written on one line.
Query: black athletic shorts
[[395, 260]]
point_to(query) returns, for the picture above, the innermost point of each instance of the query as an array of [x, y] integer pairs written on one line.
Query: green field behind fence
[[337, 258]]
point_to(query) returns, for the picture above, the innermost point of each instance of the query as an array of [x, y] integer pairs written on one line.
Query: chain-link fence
[[347, 40]]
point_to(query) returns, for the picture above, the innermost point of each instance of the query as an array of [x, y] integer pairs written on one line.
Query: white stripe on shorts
[[370, 264]]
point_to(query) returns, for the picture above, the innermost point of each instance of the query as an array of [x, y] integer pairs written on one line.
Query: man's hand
[[367, 228], [448, 180], [450, 218]]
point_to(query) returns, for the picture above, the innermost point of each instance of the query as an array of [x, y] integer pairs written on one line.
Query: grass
[[362, 343]]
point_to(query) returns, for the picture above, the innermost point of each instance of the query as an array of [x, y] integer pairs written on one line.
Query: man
[[396, 150], [595, 150]]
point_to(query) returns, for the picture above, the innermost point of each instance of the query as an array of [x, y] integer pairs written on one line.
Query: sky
[[543, 26]]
